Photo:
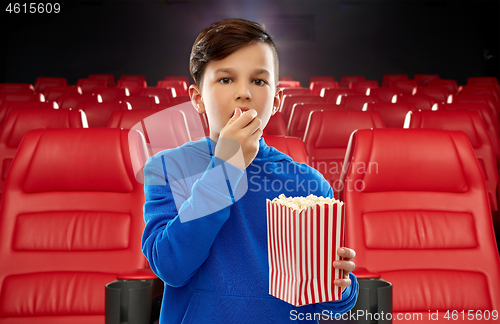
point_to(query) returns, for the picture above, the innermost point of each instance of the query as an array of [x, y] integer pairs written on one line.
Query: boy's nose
[[243, 92]]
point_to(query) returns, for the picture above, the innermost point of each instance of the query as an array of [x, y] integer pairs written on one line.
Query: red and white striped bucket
[[302, 246]]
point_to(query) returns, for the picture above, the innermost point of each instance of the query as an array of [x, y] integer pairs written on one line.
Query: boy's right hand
[[244, 128]]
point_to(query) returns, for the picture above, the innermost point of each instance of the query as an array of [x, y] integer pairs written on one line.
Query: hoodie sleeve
[[177, 240]]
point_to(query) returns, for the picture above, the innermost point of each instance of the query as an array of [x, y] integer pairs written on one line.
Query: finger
[[344, 265], [256, 135], [253, 126], [343, 283], [245, 118], [346, 253], [236, 115]]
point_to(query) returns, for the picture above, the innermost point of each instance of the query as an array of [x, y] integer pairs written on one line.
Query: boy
[[205, 209]]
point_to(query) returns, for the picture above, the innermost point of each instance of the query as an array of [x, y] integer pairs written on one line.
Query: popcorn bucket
[[302, 246]]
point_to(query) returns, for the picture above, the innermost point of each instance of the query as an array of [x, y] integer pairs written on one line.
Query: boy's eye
[[259, 82], [225, 80]]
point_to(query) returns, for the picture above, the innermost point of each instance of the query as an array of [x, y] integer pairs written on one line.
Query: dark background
[[455, 39]]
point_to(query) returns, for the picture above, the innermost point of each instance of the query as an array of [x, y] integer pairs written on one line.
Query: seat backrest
[[292, 146], [73, 100], [16, 88], [451, 85], [320, 78], [388, 78], [472, 125], [440, 94], [296, 91], [6, 107], [109, 94], [43, 82], [347, 79], [134, 87], [407, 87], [19, 96], [276, 126], [20, 121], [138, 102], [327, 135], [423, 79], [179, 86], [386, 94], [88, 86], [300, 115], [490, 122], [317, 86], [162, 129], [476, 98], [483, 81], [361, 86], [177, 78], [392, 114], [71, 220], [53, 93], [99, 114], [289, 84], [334, 95], [488, 89], [163, 95], [109, 78], [290, 100], [421, 102], [418, 208], [133, 77], [357, 102]]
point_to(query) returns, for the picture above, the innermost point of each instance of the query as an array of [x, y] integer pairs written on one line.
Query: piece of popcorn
[[300, 203]]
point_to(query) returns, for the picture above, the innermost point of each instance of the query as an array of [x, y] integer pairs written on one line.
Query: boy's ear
[[196, 99], [278, 97]]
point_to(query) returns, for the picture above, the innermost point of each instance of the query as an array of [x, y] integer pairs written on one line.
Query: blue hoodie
[[212, 254]]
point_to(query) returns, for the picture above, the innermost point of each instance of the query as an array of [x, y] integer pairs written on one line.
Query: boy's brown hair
[[223, 38]]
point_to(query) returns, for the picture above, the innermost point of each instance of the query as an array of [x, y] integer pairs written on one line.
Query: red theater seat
[[73, 100], [421, 102], [163, 129], [177, 78], [291, 146], [53, 93], [317, 86], [133, 87], [7, 106], [289, 84], [43, 82], [386, 94], [16, 87], [487, 89], [361, 87], [326, 78], [347, 79], [138, 102], [440, 94], [423, 79], [161, 95], [472, 125], [476, 98], [276, 126], [388, 78], [109, 78], [357, 102], [490, 121], [180, 99], [300, 115], [296, 91], [484, 81], [19, 121], [109, 94], [290, 100], [99, 114], [326, 137], [285, 78], [451, 85], [407, 87], [418, 209], [71, 220], [393, 114], [89, 86], [130, 77], [335, 95], [19, 96], [181, 87]]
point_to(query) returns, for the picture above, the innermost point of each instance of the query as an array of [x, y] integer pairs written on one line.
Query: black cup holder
[[128, 302]]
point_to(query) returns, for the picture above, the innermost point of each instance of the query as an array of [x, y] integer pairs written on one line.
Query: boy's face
[[243, 79]]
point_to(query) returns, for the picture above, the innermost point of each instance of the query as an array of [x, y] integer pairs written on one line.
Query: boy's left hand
[[345, 264]]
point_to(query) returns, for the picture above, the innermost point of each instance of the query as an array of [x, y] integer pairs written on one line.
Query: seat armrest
[[363, 273], [137, 274]]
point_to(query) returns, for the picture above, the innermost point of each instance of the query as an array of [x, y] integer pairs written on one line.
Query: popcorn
[[304, 234]]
